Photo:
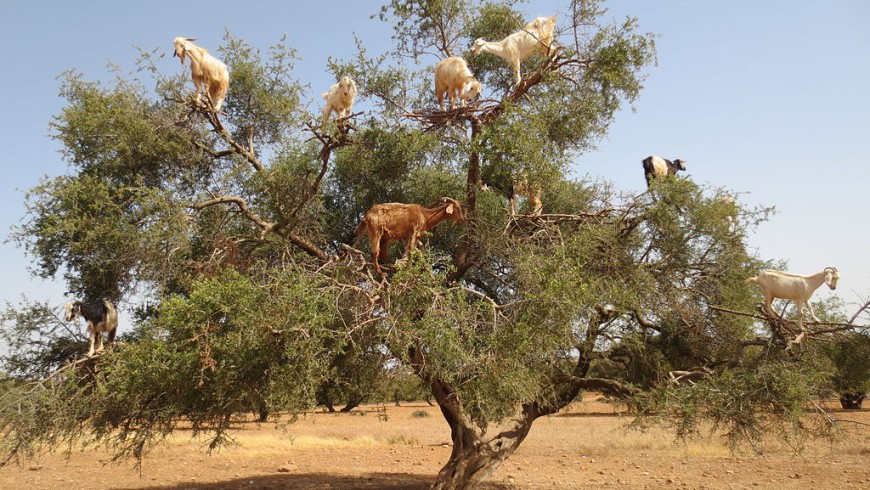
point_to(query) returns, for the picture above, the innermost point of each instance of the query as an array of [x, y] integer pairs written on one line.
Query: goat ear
[[450, 209]]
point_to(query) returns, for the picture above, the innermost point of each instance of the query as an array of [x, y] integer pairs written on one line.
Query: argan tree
[[240, 225]]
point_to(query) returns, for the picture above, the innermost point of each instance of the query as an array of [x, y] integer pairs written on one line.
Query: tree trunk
[[474, 459], [461, 259], [851, 401], [351, 405]]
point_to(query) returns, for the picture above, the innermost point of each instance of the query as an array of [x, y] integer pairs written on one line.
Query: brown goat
[[386, 223]]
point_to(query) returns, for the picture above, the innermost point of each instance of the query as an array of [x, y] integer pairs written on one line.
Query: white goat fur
[[535, 37], [794, 287], [455, 80], [339, 98], [210, 75]]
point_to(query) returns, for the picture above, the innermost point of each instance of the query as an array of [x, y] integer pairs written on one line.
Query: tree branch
[[303, 243], [330, 143], [603, 385], [243, 207], [241, 150]]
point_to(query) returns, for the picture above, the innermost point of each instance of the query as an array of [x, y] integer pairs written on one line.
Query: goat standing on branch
[[386, 223], [794, 287], [657, 168], [535, 37], [730, 205], [531, 191], [339, 98], [210, 75], [101, 318], [455, 80]]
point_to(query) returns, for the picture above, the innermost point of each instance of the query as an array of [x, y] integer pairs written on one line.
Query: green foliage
[[237, 227], [746, 404], [233, 344], [850, 356], [36, 342], [425, 26], [265, 101]]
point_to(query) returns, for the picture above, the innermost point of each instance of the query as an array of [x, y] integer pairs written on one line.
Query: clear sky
[[765, 98]]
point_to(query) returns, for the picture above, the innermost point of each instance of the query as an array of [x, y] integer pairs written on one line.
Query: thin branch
[[863, 308], [205, 108], [604, 385], [245, 152], [243, 207], [330, 143], [303, 243]]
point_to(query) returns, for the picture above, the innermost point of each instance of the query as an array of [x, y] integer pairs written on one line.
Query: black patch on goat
[[101, 317]]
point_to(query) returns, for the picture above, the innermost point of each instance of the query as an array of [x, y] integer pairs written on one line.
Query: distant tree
[[241, 228], [37, 342], [850, 355]]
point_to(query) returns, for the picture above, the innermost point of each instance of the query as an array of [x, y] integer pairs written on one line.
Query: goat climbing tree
[[241, 226]]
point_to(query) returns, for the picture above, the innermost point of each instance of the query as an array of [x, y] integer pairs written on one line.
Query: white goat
[[210, 75], [535, 37], [339, 98], [731, 207], [794, 287], [455, 80]]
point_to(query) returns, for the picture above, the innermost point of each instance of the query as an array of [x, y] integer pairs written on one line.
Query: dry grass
[[585, 446]]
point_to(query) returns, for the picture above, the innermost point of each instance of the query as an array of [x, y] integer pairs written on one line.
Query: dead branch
[[691, 376], [785, 332], [861, 309], [434, 118]]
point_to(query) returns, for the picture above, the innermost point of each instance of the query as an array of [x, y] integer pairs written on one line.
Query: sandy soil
[[585, 447]]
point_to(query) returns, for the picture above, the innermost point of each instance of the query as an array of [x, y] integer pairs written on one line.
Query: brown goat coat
[[386, 223]]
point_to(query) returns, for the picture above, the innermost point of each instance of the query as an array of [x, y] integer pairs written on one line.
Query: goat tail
[[752, 280], [111, 319], [360, 228]]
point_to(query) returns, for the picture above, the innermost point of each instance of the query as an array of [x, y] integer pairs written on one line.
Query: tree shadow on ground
[[318, 481]]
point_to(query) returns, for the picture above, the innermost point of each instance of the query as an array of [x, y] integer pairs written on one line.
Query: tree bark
[[461, 259], [474, 459]]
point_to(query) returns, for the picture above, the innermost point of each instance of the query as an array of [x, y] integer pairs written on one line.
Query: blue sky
[[765, 98]]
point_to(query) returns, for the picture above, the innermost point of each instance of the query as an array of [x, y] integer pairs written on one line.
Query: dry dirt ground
[[585, 447]]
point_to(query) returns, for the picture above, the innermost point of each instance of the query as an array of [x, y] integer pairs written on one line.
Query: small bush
[[419, 414]]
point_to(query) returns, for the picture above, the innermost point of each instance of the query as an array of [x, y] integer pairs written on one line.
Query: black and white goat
[[657, 167], [100, 317]]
